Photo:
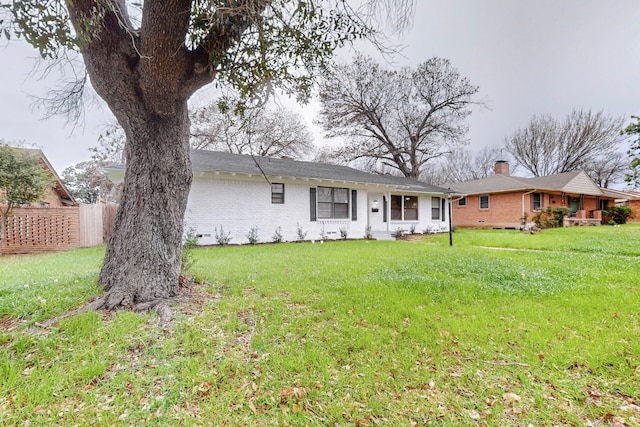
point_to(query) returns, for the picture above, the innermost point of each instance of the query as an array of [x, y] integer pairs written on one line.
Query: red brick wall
[[635, 207], [505, 210]]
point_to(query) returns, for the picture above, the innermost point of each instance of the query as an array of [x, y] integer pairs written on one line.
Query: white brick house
[[236, 193]]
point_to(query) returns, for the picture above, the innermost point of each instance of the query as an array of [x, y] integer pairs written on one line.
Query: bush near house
[[551, 217], [617, 215]]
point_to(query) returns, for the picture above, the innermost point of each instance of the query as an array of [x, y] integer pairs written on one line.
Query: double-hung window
[[462, 202], [333, 203], [536, 201], [484, 201], [435, 208]]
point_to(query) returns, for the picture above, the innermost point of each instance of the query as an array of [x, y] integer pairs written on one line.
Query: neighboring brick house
[[628, 198], [501, 200], [49, 224], [58, 195], [238, 192], [55, 196]]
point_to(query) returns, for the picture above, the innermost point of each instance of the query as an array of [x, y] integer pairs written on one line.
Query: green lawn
[[503, 328]]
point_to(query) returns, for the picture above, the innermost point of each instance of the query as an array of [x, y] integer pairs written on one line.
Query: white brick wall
[[237, 205]]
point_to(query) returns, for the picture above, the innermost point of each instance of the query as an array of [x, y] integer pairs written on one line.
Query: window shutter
[[312, 203], [442, 213], [384, 209], [354, 205]]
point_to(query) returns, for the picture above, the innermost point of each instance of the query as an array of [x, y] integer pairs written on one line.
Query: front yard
[[503, 328]]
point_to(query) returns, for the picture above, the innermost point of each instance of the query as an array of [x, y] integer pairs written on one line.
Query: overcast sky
[[529, 57]]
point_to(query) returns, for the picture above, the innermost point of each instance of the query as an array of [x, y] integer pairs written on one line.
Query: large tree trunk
[[143, 257]]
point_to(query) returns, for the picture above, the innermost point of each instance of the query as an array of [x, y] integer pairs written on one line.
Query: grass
[[341, 333]]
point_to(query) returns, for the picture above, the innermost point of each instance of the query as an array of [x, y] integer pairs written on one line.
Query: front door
[[574, 204], [375, 209]]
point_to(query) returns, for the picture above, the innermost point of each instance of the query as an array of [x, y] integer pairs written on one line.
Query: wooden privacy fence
[[95, 224], [31, 230]]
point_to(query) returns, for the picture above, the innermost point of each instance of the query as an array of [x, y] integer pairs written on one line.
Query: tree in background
[[23, 181], [396, 120], [584, 140], [463, 165], [88, 183], [145, 60], [265, 131], [633, 177], [87, 180], [608, 170]]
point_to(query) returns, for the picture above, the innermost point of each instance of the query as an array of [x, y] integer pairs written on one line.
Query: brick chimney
[[501, 168]]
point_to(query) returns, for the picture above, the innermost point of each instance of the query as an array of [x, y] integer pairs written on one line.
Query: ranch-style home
[[502, 200], [233, 194]]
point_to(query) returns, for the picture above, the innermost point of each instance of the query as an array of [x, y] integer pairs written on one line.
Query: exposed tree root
[[96, 304], [111, 302]]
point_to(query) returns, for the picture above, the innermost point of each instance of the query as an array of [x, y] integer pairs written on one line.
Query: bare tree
[[145, 60], [463, 165], [396, 120], [270, 132], [608, 170], [583, 140], [110, 150]]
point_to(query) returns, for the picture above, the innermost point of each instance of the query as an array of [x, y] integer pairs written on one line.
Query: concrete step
[[382, 235]]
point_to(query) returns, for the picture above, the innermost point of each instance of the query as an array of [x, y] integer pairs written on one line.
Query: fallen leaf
[[474, 415], [510, 398]]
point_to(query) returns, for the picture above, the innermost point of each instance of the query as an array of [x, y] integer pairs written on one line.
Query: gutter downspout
[[523, 212]]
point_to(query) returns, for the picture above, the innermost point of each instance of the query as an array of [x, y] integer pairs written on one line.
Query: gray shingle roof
[[216, 161], [504, 183]]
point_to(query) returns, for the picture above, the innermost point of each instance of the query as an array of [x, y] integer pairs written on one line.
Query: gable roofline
[[561, 182], [61, 190]]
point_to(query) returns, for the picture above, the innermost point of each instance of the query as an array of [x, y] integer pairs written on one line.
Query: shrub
[[343, 232], [189, 242], [301, 234], [277, 235], [398, 233], [412, 229], [221, 237], [617, 214], [252, 236], [323, 234], [551, 217], [367, 233]]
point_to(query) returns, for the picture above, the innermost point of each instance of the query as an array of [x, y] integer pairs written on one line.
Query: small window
[[462, 202], [484, 201], [277, 194], [435, 208], [536, 201]]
